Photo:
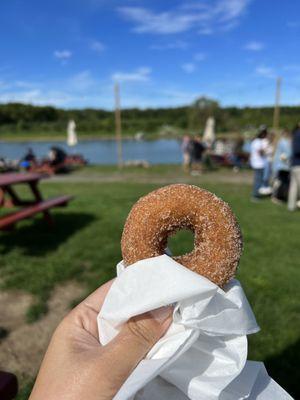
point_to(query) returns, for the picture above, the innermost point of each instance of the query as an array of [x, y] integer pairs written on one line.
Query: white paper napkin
[[203, 354]]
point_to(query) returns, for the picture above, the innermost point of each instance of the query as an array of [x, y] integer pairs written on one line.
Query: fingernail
[[162, 314]]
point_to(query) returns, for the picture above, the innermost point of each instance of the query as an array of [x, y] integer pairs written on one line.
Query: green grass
[[86, 246], [160, 172], [45, 136]]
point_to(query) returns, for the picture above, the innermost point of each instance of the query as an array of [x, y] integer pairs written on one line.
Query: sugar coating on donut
[[163, 212]]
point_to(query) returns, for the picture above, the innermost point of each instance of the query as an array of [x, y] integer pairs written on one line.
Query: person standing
[[281, 168], [198, 149], [269, 151], [237, 155], [57, 156], [294, 190], [258, 161], [186, 152]]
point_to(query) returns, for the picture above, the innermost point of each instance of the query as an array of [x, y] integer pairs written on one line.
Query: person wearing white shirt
[[266, 189], [258, 161]]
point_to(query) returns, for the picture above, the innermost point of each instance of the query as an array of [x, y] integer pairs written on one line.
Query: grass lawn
[[86, 246]]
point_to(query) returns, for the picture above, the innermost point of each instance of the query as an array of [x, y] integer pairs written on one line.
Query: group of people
[[274, 159], [211, 153], [55, 158], [276, 165]]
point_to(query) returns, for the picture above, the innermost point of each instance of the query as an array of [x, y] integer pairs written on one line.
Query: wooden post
[[118, 125], [276, 115]]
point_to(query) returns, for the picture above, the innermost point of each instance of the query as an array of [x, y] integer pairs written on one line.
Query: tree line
[[24, 119]]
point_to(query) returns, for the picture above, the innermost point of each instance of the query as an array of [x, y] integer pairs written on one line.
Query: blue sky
[[69, 53]]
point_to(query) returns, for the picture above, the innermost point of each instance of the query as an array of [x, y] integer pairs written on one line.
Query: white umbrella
[[71, 133], [209, 135]]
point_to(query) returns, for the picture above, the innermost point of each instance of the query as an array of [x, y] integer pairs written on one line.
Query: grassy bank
[[49, 136], [86, 246], [60, 136]]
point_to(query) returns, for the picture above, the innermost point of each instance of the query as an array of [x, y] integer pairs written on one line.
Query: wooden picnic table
[[9, 198]]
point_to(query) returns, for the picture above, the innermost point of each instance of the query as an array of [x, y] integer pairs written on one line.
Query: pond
[[162, 151]]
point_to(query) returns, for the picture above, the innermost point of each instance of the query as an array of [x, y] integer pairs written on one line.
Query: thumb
[[131, 345]]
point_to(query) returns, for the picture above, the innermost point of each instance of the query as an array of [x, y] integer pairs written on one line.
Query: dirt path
[[29, 341]]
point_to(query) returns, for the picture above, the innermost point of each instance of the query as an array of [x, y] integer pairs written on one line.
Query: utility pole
[[118, 125], [276, 115]]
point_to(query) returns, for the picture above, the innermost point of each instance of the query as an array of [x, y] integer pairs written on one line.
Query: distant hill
[[22, 120]]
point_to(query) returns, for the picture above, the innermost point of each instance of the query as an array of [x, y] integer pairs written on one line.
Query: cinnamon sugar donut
[[163, 212]]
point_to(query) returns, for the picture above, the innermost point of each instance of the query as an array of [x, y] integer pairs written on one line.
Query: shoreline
[[91, 138], [20, 139]]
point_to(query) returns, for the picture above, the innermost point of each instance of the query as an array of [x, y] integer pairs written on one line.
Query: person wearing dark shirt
[[29, 156], [28, 160], [294, 190], [197, 151], [57, 156]]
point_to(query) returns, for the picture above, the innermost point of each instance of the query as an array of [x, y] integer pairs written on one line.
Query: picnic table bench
[[28, 208]]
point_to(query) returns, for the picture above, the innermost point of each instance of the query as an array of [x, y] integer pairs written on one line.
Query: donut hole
[[181, 242]]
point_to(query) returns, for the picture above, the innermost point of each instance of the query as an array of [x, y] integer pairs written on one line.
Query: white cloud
[[164, 23], [206, 18], [265, 71], [189, 67], [79, 90], [139, 75], [97, 46], [37, 97], [200, 56], [254, 46], [62, 54], [177, 45], [100, 94], [81, 81], [16, 85], [231, 9], [102, 97]]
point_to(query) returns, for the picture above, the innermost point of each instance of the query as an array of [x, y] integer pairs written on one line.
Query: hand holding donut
[[163, 212], [77, 367]]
